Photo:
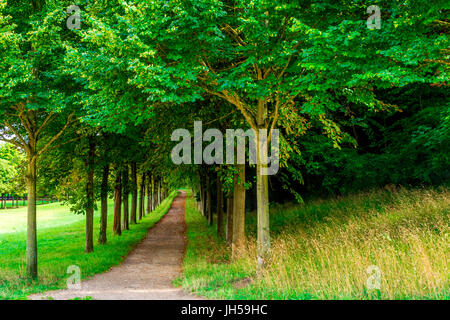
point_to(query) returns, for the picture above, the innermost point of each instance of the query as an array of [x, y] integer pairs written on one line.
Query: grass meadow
[[332, 249], [61, 238]]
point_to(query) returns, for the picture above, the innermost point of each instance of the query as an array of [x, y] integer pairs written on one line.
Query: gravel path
[[147, 273]]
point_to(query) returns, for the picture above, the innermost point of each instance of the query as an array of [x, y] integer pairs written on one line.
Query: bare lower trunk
[[202, 195], [134, 194], [125, 195], [152, 194], [104, 206], [229, 235], [141, 197], [159, 192], [238, 211], [149, 194], [262, 196], [219, 207], [209, 201], [31, 254], [89, 247], [117, 205], [262, 188]]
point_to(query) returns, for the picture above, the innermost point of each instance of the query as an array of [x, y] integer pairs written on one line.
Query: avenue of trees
[[92, 109]]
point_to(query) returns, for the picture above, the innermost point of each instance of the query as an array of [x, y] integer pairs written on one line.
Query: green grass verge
[[323, 249], [61, 238]]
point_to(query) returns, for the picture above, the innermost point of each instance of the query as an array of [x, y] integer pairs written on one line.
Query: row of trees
[[11, 175], [106, 97]]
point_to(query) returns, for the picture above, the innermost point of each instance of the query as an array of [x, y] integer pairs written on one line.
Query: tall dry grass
[[325, 248]]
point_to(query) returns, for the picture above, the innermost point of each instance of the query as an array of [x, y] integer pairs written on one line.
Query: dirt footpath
[[148, 271]]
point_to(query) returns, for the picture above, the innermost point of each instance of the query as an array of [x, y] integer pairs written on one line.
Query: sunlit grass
[[322, 250], [61, 237]]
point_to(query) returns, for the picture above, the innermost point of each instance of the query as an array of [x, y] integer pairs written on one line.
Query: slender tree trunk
[[90, 198], [31, 252], [202, 197], [159, 192], [149, 194], [141, 197], [117, 204], [229, 235], [104, 206], [219, 207], [262, 188], [125, 195], [152, 193], [134, 195], [238, 211], [209, 201]]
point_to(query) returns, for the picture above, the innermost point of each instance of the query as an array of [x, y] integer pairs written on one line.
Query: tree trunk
[[229, 235], [149, 194], [125, 195], [219, 207], [209, 201], [202, 196], [238, 211], [141, 197], [152, 193], [159, 192], [262, 188], [31, 252], [117, 203], [104, 205], [134, 195], [90, 198]]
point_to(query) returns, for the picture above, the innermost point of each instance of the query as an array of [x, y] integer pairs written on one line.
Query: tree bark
[[262, 188], [125, 195], [159, 192], [202, 196], [219, 207], [104, 206], [89, 247], [152, 193], [149, 194], [229, 234], [117, 204], [31, 177], [209, 212], [141, 197], [238, 212], [134, 195]]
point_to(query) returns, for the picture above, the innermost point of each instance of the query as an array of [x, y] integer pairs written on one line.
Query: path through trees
[[147, 273]]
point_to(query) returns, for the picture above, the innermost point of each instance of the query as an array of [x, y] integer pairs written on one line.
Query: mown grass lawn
[[61, 237], [323, 249]]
